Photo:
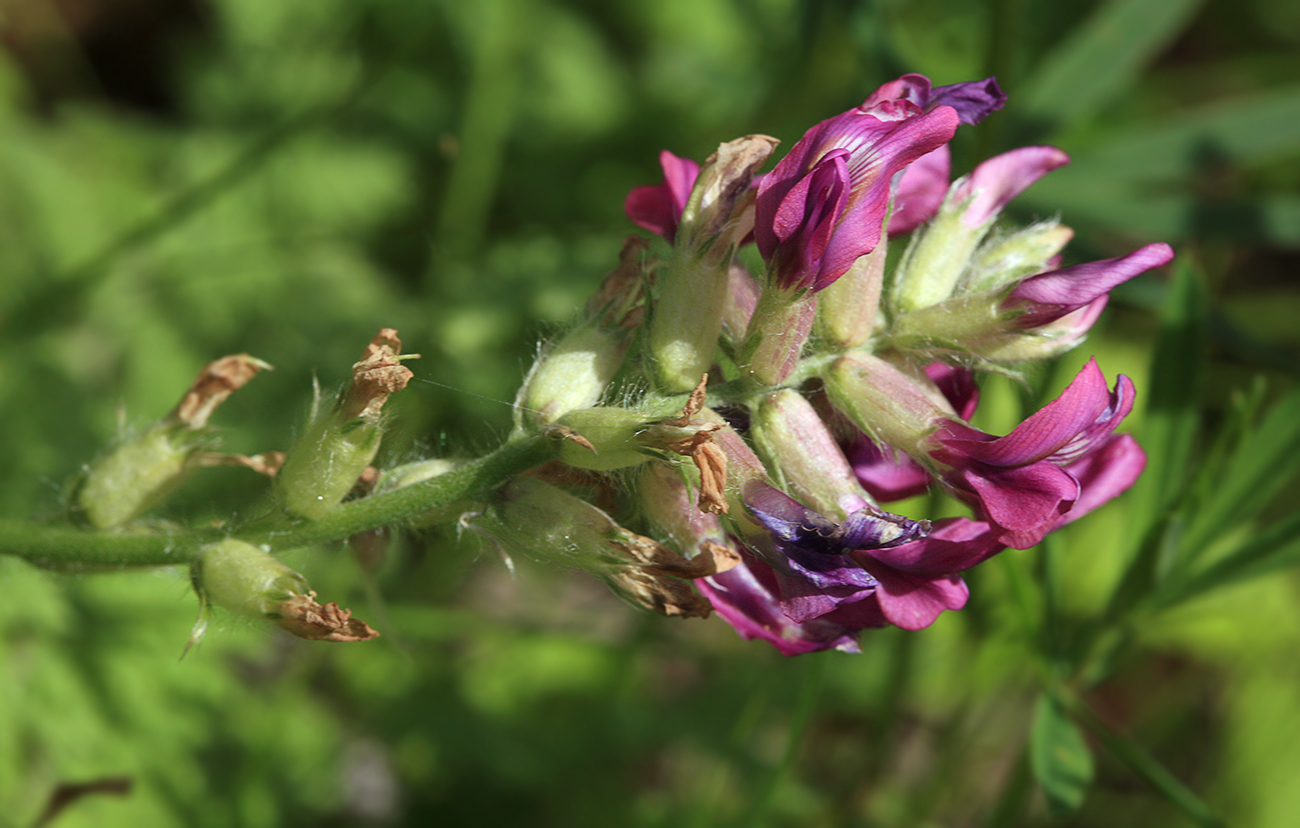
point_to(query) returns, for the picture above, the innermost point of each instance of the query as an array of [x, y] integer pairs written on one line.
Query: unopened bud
[[603, 439], [574, 372], [777, 333], [936, 258], [804, 457], [846, 311], [1008, 260], [693, 289], [546, 521], [892, 407]]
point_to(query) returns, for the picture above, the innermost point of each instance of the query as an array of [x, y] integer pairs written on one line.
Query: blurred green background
[[182, 180]]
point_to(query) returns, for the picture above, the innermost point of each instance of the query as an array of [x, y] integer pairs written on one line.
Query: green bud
[[686, 320], [609, 438], [574, 373], [242, 578], [935, 260], [1007, 260], [546, 521], [847, 310], [806, 460], [777, 334], [887, 404], [325, 463], [136, 476]]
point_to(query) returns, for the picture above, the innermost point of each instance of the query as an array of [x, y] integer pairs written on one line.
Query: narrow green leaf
[[1059, 757], [1244, 130], [1104, 56], [1265, 551], [1083, 196], [1172, 398], [1264, 462], [1169, 428], [1146, 766]]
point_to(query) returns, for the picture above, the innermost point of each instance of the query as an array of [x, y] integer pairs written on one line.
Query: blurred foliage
[[181, 181]]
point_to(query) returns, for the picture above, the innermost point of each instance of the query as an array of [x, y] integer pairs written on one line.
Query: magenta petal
[[872, 172], [886, 474], [912, 602], [953, 545], [658, 208], [920, 191], [1106, 473], [958, 387], [1048, 430], [1023, 497], [745, 598], [1001, 178], [913, 88], [1049, 296], [874, 149]]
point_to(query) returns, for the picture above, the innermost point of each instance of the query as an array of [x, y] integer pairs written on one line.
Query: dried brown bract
[[305, 617]]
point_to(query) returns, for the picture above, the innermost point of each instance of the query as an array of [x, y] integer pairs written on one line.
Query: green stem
[[1143, 763], [67, 548]]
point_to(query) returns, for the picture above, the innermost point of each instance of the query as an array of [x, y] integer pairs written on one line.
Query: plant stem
[[71, 549]]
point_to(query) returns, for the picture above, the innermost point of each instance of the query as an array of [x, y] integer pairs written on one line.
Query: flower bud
[[242, 578], [846, 311], [609, 438], [937, 258], [692, 296], [777, 334], [140, 472], [742, 300], [804, 457], [890, 406], [340, 440], [546, 521], [1008, 260], [574, 372], [613, 438]]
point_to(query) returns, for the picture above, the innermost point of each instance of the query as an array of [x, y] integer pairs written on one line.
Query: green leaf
[[1244, 130], [1264, 462], [1170, 421], [1171, 415], [1265, 551], [1143, 180], [1059, 756], [1104, 57]]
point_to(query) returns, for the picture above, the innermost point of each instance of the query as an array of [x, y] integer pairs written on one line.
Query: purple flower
[[973, 100], [920, 191], [1047, 297], [658, 207], [996, 181], [815, 571], [913, 583], [824, 204], [745, 597], [1059, 463]]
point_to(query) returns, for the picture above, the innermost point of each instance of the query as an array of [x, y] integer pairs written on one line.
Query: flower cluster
[[758, 421]]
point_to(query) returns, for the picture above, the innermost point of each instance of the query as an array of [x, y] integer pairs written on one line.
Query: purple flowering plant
[[767, 412]]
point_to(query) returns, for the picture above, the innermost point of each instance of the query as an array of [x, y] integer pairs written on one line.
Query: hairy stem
[[71, 549]]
